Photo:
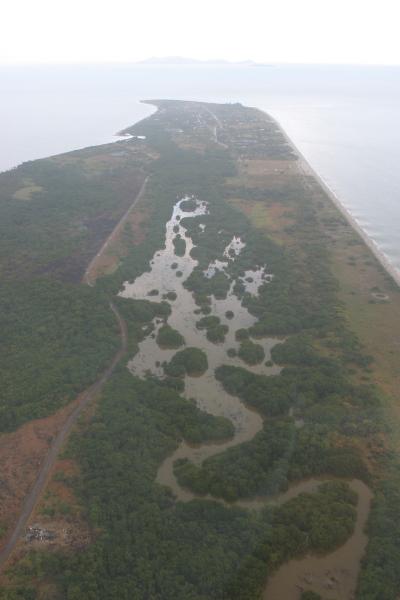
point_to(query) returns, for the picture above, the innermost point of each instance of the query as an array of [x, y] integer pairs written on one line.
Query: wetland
[[206, 390], [239, 450]]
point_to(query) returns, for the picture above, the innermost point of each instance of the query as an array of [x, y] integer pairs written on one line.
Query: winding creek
[[335, 574]]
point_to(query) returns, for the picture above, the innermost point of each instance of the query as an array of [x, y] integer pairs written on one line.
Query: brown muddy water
[[333, 576], [206, 390]]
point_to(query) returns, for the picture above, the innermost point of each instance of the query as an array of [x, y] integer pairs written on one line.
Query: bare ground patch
[[21, 455], [59, 513], [25, 193], [271, 217]]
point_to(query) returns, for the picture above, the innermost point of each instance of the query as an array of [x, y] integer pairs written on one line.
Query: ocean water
[[345, 120]]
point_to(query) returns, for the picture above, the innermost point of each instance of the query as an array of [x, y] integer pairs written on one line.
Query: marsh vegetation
[[188, 465]]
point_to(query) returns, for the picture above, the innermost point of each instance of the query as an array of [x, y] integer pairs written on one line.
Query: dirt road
[[48, 463], [45, 469], [51, 457], [87, 278]]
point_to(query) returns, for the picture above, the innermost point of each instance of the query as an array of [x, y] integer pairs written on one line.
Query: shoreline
[[304, 166], [308, 170]]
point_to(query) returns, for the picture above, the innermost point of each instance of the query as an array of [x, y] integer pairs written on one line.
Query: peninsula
[[199, 373]]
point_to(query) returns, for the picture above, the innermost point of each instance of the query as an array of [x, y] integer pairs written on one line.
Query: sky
[[277, 31]]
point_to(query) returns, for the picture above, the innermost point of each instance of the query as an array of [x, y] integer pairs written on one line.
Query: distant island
[[181, 60]]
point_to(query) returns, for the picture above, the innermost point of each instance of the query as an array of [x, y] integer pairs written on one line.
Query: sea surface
[[345, 120]]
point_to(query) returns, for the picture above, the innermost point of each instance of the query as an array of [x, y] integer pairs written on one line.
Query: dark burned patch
[[69, 269], [93, 233], [100, 226]]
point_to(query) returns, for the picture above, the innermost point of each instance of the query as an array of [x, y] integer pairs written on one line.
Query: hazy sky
[[326, 31]]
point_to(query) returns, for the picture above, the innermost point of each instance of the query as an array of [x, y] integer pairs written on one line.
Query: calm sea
[[345, 120]]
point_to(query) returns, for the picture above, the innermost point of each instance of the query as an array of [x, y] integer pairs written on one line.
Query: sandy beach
[[307, 170]]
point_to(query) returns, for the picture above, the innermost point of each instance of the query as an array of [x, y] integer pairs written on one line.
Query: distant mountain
[[181, 60]]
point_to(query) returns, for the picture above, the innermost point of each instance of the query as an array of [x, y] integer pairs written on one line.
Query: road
[[48, 463], [218, 125], [33, 495], [115, 232]]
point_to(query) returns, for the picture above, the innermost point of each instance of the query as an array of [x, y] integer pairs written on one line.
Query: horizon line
[[163, 61]]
